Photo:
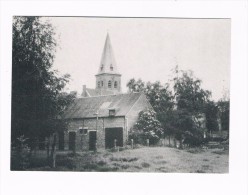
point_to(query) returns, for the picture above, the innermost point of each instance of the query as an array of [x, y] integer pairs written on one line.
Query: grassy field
[[153, 159]]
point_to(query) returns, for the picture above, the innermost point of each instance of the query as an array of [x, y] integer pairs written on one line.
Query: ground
[[152, 159]]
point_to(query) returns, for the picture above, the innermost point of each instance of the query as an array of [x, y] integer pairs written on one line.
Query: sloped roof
[[87, 107], [97, 92], [108, 63]]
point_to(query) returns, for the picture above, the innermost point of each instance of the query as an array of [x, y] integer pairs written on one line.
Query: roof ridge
[[110, 95]]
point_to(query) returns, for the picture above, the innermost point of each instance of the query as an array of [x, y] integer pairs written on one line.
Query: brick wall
[[82, 140]]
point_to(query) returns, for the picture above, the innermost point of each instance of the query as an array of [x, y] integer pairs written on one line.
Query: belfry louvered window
[[115, 85], [109, 84]]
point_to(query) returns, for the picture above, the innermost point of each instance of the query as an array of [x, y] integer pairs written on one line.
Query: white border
[[129, 183]]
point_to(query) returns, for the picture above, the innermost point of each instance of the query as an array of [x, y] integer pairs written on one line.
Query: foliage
[[224, 106], [20, 154], [211, 116], [191, 101], [37, 100], [147, 122], [147, 127], [136, 86], [181, 108], [140, 137], [188, 93], [159, 96]]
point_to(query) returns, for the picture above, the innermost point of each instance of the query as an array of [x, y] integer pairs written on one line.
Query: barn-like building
[[102, 117]]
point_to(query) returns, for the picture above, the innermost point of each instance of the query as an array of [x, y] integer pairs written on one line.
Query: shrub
[[20, 154], [147, 127], [140, 137], [193, 139]]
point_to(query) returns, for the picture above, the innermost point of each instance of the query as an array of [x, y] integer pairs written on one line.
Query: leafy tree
[[191, 102], [224, 106], [147, 127], [136, 86], [211, 116], [188, 93], [159, 96], [37, 100]]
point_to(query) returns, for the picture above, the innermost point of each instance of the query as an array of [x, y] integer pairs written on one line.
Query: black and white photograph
[[123, 97], [108, 94]]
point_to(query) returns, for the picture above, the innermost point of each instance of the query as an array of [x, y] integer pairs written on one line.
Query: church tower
[[108, 78]]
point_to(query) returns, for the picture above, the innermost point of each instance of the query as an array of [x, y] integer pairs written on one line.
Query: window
[[112, 112], [102, 83], [109, 84], [83, 131], [111, 67], [115, 85], [102, 67], [99, 84]]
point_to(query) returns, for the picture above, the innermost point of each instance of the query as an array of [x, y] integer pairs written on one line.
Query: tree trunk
[[48, 151], [181, 143], [175, 143], [53, 151]]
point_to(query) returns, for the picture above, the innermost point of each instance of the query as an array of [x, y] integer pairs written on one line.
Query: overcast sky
[[146, 49]]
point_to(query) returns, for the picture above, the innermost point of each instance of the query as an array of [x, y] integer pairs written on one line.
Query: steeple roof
[[108, 63]]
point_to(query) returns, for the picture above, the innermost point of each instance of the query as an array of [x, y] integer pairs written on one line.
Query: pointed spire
[[108, 63]]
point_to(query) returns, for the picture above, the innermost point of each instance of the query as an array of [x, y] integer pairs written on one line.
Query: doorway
[[61, 140], [92, 140], [112, 134], [72, 140]]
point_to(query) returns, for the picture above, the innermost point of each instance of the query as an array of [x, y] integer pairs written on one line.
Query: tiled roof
[[95, 92], [87, 107]]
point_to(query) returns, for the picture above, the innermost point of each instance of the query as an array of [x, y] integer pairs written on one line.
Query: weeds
[[124, 159], [145, 165]]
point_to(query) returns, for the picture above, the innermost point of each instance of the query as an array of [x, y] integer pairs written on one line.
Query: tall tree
[[212, 116], [37, 100], [189, 94], [224, 106], [136, 86], [191, 100], [160, 97]]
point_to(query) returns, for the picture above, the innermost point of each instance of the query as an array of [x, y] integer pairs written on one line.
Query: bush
[[20, 154], [191, 139], [140, 137]]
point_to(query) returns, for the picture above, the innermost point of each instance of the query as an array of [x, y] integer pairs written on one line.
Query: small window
[[102, 67], [115, 85], [112, 112], [83, 131], [111, 67], [102, 83], [109, 84], [99, 84]]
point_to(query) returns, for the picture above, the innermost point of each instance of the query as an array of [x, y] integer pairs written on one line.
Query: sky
[[145, 48]]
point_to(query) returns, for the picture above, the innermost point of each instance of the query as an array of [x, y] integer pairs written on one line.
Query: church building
[[102, 117], [108, 78]]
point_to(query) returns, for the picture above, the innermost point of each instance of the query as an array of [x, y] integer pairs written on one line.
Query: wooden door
[[112, 134], [92, 140], [72, 140]]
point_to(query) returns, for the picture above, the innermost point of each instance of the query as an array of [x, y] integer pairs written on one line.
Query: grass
[[153, 159]]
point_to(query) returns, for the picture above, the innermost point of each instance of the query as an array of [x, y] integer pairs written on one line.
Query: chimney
[[84, 94]]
